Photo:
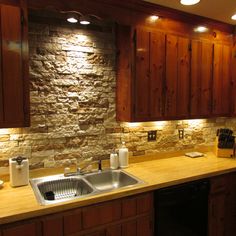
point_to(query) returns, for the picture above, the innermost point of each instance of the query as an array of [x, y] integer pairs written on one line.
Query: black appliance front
[[182, 210]]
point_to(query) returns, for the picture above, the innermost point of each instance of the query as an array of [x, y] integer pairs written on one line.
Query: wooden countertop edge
[[142, 188]]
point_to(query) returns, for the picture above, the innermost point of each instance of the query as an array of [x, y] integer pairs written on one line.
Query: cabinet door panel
[[183, 86], [177, 77], [28, 229], [142, 75], [221, 79], [171, 75], [129, 228], [144, 226], [72, 222], [52, 225], [12, 65], [129, 207], [144, 203], [201, 78], [157, 67], [98, 233], [114, 231], [217, 215], [101, 214], [233, 89]]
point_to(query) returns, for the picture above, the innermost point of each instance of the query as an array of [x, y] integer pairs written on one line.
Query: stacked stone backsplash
[[73, 110]]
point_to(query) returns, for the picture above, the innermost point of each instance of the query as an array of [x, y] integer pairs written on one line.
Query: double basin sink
[[58, 188]]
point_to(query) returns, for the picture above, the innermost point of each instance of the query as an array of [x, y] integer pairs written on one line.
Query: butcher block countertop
[[20, 203]]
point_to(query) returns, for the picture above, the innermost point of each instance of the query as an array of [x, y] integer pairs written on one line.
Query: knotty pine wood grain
[[20, 203]]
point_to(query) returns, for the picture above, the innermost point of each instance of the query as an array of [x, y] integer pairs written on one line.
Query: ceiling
[[220, 10]]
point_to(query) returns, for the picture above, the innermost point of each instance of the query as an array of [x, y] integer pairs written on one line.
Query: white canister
[[19, 171], [123, 156], [114, 161]]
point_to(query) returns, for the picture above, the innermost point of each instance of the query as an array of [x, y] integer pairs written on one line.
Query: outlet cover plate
[[152, 136]]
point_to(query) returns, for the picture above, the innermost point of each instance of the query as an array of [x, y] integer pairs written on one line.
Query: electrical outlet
[[152, 135], [181, 133]]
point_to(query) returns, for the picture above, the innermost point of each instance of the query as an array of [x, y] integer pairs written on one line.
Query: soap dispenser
[[19, 171], [123, 156]]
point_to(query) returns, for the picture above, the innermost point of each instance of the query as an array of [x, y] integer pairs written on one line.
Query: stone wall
[[72, 90]]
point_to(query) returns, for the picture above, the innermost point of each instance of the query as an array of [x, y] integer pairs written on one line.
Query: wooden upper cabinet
[[177, 79], [221, 79], [165, 76], [14, 97], [201, 78]]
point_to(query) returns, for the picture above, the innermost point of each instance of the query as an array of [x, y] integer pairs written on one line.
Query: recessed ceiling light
[[154, 18], [72, 20], [189, 2], [201, 29], [84, 20], [233, 17]]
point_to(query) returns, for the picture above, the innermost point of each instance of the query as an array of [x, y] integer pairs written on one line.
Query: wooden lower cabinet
[[222, 205], [131, 216], [22, 229]]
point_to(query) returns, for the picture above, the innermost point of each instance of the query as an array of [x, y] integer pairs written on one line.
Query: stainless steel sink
[[57, 188], [53, 189], [111, 179]]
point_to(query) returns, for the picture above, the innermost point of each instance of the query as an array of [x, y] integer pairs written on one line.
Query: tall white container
[[19, 171], [123, 156]]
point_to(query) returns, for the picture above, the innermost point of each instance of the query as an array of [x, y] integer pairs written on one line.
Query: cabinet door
[[142, 75], [101, 214], [129, 228], [25, 229], [52, 225], [145, 226], [12, 65], [157, 69], [221, 79], [72, 222], [177, 77], [201, 78], [230, 216], [216, 222]]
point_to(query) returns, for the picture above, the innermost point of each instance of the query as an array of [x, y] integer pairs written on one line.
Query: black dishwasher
[[182, 210]]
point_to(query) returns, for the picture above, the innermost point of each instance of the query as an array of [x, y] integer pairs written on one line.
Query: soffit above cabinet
[[217, 10]]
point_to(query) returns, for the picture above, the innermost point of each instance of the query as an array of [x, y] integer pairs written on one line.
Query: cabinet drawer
[[72, 222], [101, 214]]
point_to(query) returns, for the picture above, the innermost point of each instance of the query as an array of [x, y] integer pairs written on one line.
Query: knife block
[[223, 152]]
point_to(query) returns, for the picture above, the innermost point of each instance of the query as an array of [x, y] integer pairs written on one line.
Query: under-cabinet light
[[233, 17], [201, 29], [189, 2]]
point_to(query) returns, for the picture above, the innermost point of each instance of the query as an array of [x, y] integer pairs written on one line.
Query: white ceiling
[[220, 10]]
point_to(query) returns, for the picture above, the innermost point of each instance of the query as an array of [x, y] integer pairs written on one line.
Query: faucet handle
[[99, 165]]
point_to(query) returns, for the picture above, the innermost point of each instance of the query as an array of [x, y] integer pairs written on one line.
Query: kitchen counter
[[20, 203]]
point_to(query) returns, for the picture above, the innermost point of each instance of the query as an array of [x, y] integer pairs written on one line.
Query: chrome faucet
[[83, 170]]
